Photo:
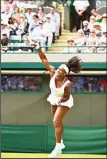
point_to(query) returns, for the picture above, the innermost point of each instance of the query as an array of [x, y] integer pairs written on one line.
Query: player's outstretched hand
[[36, 45]]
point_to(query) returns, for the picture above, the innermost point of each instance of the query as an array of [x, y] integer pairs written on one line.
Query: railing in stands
[[16, 48]]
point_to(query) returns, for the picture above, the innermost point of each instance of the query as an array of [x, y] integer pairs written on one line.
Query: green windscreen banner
[[40, 139]]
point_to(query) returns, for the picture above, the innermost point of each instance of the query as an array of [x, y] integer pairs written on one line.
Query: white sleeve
[[75, 3], [87, 3], [58, 18], [53, 26]]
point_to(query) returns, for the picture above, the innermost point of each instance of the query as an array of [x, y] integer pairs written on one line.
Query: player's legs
[[59, 113], [53, 109], [57, 121]]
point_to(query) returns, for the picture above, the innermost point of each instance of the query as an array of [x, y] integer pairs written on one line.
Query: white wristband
[[37, 47]]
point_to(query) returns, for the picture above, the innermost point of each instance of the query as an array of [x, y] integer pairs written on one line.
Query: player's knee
[[56, 123]]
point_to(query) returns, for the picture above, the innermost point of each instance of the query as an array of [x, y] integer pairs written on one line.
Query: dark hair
[[41, 8], [36, 16], [74, 64], [52, 7]]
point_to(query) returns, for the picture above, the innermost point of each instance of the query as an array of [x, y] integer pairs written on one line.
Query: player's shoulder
[[68, 82]]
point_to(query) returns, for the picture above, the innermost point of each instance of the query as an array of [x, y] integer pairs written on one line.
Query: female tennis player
[[60, 98]]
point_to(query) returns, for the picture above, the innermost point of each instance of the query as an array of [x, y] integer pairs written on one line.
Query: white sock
[[58, 145]]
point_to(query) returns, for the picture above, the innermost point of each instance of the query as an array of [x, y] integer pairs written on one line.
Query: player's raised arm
[[44, 59]]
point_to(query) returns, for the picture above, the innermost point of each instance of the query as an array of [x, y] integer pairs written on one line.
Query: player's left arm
[[67, 92]]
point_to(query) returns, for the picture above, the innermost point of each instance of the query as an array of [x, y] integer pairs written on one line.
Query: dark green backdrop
[[26, 123]]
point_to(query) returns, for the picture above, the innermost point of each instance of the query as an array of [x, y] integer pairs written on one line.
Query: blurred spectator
[[69, 49], [22, 26], [6, 14], [85, 28], [104, 21], [29, 14], [92, 41], [102, 84], [97, 16], [34, 24], [91, 22], [39, 34], [5, 30], [103, 41], [5, 3], [50, 27], [86, 86], [13, 8], [41, 13], [97, 28], [16, 14], [55, 18], [81, 40], [4, 42], [21, 83], [34, 83], [81, 7]]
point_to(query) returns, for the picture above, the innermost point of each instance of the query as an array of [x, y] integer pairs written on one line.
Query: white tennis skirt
[[52, 99]]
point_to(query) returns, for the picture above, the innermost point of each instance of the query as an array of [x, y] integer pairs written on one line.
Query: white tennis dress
[[57, 93]]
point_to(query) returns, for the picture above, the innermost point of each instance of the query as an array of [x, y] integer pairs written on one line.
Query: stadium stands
[[18, 22]]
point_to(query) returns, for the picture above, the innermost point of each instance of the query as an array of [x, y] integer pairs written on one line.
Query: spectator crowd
[[20, 21], [91, 32], [21, 83], [88, 84], [35, 83]]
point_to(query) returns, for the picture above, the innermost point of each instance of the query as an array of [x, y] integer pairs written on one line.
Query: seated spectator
[[6, 14], [55, 18], [27, 46], [41, 13], [80, 41], [16, 15], [92, 40], [5, 30], [29, 14], [22, 26], [70, 49], [50, 30], [103, 41], [13, 8], [4, 42], [98, 17], [91, 22], [102, 84], [97, 28], [5, 3], [104, 21], [34, 24], [39, 34], [85, 28]]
